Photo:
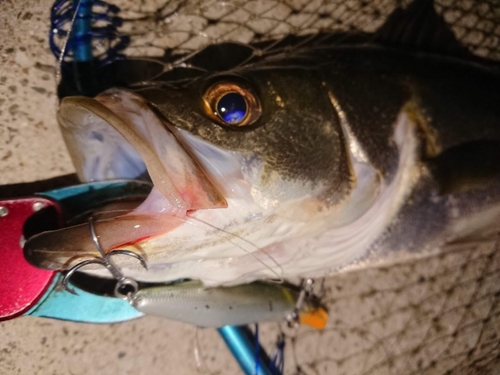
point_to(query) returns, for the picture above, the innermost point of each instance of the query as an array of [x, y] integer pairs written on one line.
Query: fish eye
[[232, 104], [232, 108]]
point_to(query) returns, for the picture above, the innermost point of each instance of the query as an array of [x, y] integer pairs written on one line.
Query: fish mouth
[[174, 172], [127, 137]]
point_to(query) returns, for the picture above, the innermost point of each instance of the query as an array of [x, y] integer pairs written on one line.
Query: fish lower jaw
[[157, 204]]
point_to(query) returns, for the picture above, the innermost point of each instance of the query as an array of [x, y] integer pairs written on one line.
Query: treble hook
[[125, 286]]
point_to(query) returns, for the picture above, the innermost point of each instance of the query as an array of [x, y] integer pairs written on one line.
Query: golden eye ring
[[232, 104]]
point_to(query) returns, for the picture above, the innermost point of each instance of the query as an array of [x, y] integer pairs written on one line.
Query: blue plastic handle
[[241, 344], [84, 307]]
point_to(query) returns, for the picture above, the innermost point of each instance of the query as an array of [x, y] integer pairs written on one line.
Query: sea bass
[[294, 164]]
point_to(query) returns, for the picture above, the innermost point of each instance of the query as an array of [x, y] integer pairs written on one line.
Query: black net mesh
[[437, 315], [476, 24], [186, 26]]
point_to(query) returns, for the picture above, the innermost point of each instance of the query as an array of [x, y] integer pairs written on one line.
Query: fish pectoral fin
[[467, 166]]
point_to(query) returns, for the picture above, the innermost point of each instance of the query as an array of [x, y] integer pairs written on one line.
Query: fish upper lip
[[172, 169]]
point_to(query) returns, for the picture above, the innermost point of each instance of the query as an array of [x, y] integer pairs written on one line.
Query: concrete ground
[[436, 315]]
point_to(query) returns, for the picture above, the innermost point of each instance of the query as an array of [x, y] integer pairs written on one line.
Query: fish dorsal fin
[[419, 27]]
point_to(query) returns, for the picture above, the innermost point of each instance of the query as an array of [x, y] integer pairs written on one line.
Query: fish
[[326, 158]]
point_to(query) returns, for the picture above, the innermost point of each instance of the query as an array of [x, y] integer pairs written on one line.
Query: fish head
[[281, 138], [248, 168], [279, 131]]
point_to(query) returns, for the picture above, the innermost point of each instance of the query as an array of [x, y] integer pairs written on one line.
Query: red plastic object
[[22, 285]]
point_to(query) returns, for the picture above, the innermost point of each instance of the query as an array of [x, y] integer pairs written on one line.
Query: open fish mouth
[[125, 139], [117, 135], [177, 177]]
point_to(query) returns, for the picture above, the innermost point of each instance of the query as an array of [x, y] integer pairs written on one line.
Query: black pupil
[[232, 108]]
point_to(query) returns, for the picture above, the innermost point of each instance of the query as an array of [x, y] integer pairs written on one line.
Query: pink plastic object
[[21, 284]]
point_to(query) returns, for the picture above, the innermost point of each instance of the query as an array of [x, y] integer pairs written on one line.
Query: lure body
[[257, 302]]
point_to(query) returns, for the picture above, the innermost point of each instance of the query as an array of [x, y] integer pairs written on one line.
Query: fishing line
[[60, 59], [106, 212], [277, 361], [83, 217], [201, 363], [251, 253], [191, 221]]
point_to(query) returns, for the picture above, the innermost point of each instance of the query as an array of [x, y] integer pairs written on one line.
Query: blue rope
[[277, 364]]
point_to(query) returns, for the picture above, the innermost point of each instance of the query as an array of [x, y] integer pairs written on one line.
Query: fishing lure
[[191, 302], [27, 290], [227, 309]]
